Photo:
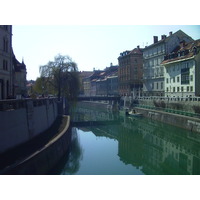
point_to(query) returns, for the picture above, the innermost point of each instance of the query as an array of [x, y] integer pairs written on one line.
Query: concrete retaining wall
[[21, 120], [180, 105], [43, 160], [189, 123]]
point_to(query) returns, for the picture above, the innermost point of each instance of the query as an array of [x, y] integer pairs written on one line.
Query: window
[[167, 80], [191, 77], [174, 89], [5, 65], [5, 27], [188, 88], [177, 79], [185, 76], [161, 85], [178, 89], [182, 89], [5, 45], [167, 89], [191, 88], [157, 86], [173, 79]]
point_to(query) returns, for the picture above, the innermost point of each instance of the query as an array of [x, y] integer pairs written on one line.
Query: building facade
[[82, 76], [130, 72], [12, 72], [153, 71], [182, 70], [6, 67], [19, 78], [107, 83], [89, 83]]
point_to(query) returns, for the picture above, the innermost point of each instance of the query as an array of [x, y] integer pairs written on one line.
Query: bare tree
[[62, 75]]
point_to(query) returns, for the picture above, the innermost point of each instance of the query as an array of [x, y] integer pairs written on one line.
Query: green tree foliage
[[43, 87], [61, 75]]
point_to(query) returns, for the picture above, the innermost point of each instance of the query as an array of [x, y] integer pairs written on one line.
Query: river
[[109, 144]]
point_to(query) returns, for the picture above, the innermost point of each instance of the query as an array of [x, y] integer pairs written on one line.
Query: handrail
[[169, 110], [13, 104]]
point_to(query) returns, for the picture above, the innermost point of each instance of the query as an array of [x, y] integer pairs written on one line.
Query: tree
[[62, 75], [43, 87]]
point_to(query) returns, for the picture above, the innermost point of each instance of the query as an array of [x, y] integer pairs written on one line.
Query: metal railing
[[170, 98], [169, 110], [14, 104]]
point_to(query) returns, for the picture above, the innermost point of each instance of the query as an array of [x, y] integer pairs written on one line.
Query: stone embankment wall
[[189, 123], [21, 120], [44, 159], [185, 105]]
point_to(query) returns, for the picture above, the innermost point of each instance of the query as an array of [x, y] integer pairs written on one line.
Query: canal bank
[[40, 155], [186, 122]]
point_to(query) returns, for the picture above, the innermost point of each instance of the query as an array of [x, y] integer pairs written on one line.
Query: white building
[[182, 70], [153, 55]]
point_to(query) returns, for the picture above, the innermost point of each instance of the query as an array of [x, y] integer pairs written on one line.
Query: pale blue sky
[[90, 46]]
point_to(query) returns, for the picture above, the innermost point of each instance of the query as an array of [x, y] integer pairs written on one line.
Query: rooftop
[[183, 51]]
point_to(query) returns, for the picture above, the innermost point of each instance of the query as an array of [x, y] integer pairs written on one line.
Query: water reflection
[[75, 155], [152, 147]]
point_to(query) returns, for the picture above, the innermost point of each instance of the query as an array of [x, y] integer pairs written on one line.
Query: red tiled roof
[[188, 48]]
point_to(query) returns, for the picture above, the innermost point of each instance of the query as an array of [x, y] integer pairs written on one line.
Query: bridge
[[98, 98]]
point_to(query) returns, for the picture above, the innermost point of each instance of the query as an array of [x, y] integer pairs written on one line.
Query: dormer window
[[195, 50], [182, 53]]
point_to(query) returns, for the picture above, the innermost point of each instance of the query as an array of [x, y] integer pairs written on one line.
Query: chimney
[[163, 37], [138, 46], [155, 39], [170, 33]]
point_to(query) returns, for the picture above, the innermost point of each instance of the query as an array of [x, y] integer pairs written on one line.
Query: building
[[82, 76], [12, 72], [107, 83], [19, 78], [153, 55], [6, 56], [182, 70], [89, 83], [130, 72]]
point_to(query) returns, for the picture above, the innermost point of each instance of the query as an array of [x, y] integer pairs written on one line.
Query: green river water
[[109, 144]]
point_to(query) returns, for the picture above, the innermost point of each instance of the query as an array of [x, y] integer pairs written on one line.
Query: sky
[[90, 46]]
